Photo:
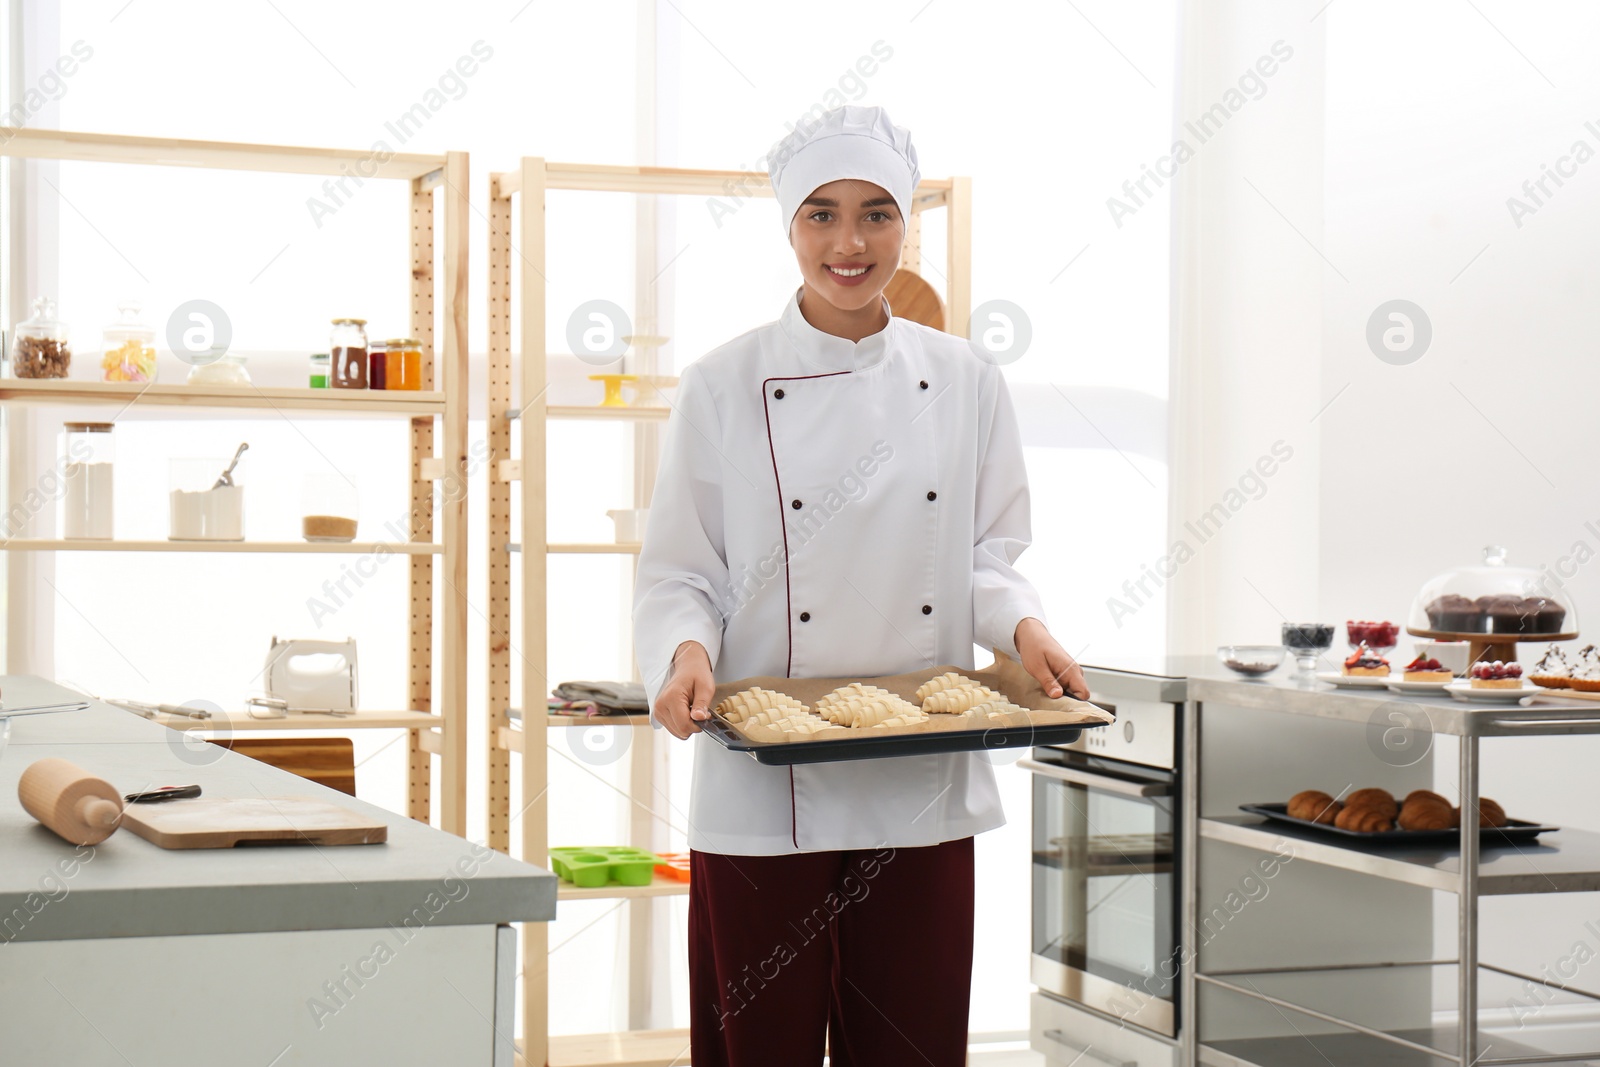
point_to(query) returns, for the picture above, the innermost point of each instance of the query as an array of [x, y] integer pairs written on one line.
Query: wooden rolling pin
[[67, 799]]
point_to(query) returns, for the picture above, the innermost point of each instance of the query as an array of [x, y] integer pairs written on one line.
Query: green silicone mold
[[590, 868]]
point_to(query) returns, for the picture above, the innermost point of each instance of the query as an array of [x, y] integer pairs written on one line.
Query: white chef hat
[[847, 142]]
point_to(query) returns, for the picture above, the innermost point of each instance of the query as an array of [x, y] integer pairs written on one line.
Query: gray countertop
[[128, 887], [1205, 679]]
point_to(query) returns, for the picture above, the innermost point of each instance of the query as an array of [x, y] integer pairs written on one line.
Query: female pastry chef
[[841, 494]]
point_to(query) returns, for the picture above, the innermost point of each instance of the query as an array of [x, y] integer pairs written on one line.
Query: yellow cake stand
[[613, 397]]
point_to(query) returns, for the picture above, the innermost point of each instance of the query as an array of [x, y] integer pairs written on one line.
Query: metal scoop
[[227, 475]]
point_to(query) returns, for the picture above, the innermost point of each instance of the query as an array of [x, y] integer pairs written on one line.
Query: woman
[[841, 494]]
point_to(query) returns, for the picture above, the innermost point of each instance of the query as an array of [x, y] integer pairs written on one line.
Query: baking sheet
[[1513, 830], [1049, 721]]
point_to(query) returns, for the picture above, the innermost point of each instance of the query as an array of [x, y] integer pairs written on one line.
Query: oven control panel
[[1146, 733]]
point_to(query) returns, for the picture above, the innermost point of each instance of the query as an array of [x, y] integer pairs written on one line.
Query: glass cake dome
[[1493, 599]]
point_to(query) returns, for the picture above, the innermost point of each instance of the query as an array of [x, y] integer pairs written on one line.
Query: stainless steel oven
[[1106, 864]]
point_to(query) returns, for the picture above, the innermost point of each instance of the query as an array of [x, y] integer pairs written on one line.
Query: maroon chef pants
[[871, 949]]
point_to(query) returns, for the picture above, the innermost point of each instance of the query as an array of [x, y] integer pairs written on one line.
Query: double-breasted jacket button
[[923, 384], [805, 616], [795, 504], [932, 495], [927, 609], [777, 394]]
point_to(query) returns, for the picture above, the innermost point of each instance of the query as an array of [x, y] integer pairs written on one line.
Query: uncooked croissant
[[832, 706], [947, 680], [741, 706], [905, 718], [994, 709], [960, 699]]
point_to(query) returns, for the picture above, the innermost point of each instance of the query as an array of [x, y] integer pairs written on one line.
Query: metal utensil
[[227, 475]]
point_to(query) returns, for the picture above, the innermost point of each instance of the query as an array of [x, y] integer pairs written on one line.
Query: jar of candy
[[348, 349], [130, 347], [39, 347]]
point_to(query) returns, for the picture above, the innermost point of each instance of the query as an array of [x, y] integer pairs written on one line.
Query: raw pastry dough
[[751, 702], [997, 709], [905, 718], [947, 680], [856, 705], [960, 699]]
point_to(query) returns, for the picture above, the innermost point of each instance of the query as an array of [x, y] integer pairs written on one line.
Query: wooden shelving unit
[[523, 533], [437, 417]]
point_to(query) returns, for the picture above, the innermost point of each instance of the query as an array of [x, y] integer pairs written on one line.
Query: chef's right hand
[[685, 701]]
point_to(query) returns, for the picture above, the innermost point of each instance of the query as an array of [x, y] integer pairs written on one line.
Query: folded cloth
[[610, 696]]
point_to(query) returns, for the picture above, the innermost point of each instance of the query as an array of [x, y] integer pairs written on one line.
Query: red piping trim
[[783, 525]]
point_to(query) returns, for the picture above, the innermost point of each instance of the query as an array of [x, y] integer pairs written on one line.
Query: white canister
[[86, 466], [200, 512]]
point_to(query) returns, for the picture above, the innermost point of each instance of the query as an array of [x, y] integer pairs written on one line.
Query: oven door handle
[[1085, 1050], [1123, 786]]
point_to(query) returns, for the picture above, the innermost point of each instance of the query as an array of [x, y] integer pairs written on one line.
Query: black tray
[[1513, 830], [788, 753]]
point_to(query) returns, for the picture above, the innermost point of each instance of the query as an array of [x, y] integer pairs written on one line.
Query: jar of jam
[[404, 370], [377, 365], [347, 348]]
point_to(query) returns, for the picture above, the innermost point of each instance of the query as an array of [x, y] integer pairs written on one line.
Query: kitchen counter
[[292, 934]]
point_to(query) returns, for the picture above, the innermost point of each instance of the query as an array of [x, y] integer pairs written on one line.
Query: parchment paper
[[1005, 676]]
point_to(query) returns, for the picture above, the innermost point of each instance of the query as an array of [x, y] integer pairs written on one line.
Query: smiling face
[[847, 237]]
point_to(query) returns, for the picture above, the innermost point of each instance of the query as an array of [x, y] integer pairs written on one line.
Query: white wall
[[1436, 115], [1381, 161]]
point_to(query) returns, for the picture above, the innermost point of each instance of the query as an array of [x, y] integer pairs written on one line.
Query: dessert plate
[[1353, 681], [1464, 691], [1400, 685]]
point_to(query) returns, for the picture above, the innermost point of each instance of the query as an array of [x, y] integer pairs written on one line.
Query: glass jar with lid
[[227, 369], [347, 348], [321, 363], [87, 452], [130, 347], [404, 360], [40, 347]]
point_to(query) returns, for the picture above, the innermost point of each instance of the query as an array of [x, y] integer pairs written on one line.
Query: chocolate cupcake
[[1502, 613], [1522, 615], [1545, 615], [1454, 613]]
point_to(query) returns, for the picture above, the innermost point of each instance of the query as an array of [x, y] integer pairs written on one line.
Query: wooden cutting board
[[223, 822], [1566, 694], [911, 297]]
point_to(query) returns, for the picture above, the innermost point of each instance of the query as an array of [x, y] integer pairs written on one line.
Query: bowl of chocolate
[[1252, 661]]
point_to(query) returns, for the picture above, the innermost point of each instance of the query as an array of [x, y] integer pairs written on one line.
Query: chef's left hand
[[1045, 659]]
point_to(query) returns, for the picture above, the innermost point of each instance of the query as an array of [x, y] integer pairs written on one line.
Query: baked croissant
[[1424, 793], [1489, 813], [960, 699], [1423, 813], [741, 706], [1378, 800], [1363, 820], [1314, 805], [947, 680]]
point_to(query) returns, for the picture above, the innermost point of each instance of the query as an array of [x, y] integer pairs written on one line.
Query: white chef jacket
[[827, 508]]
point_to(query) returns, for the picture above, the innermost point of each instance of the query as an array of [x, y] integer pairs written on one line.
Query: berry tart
[[1364, 663], [1427, 669], [1586, 672], [1499, 675], [1552, 671]]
